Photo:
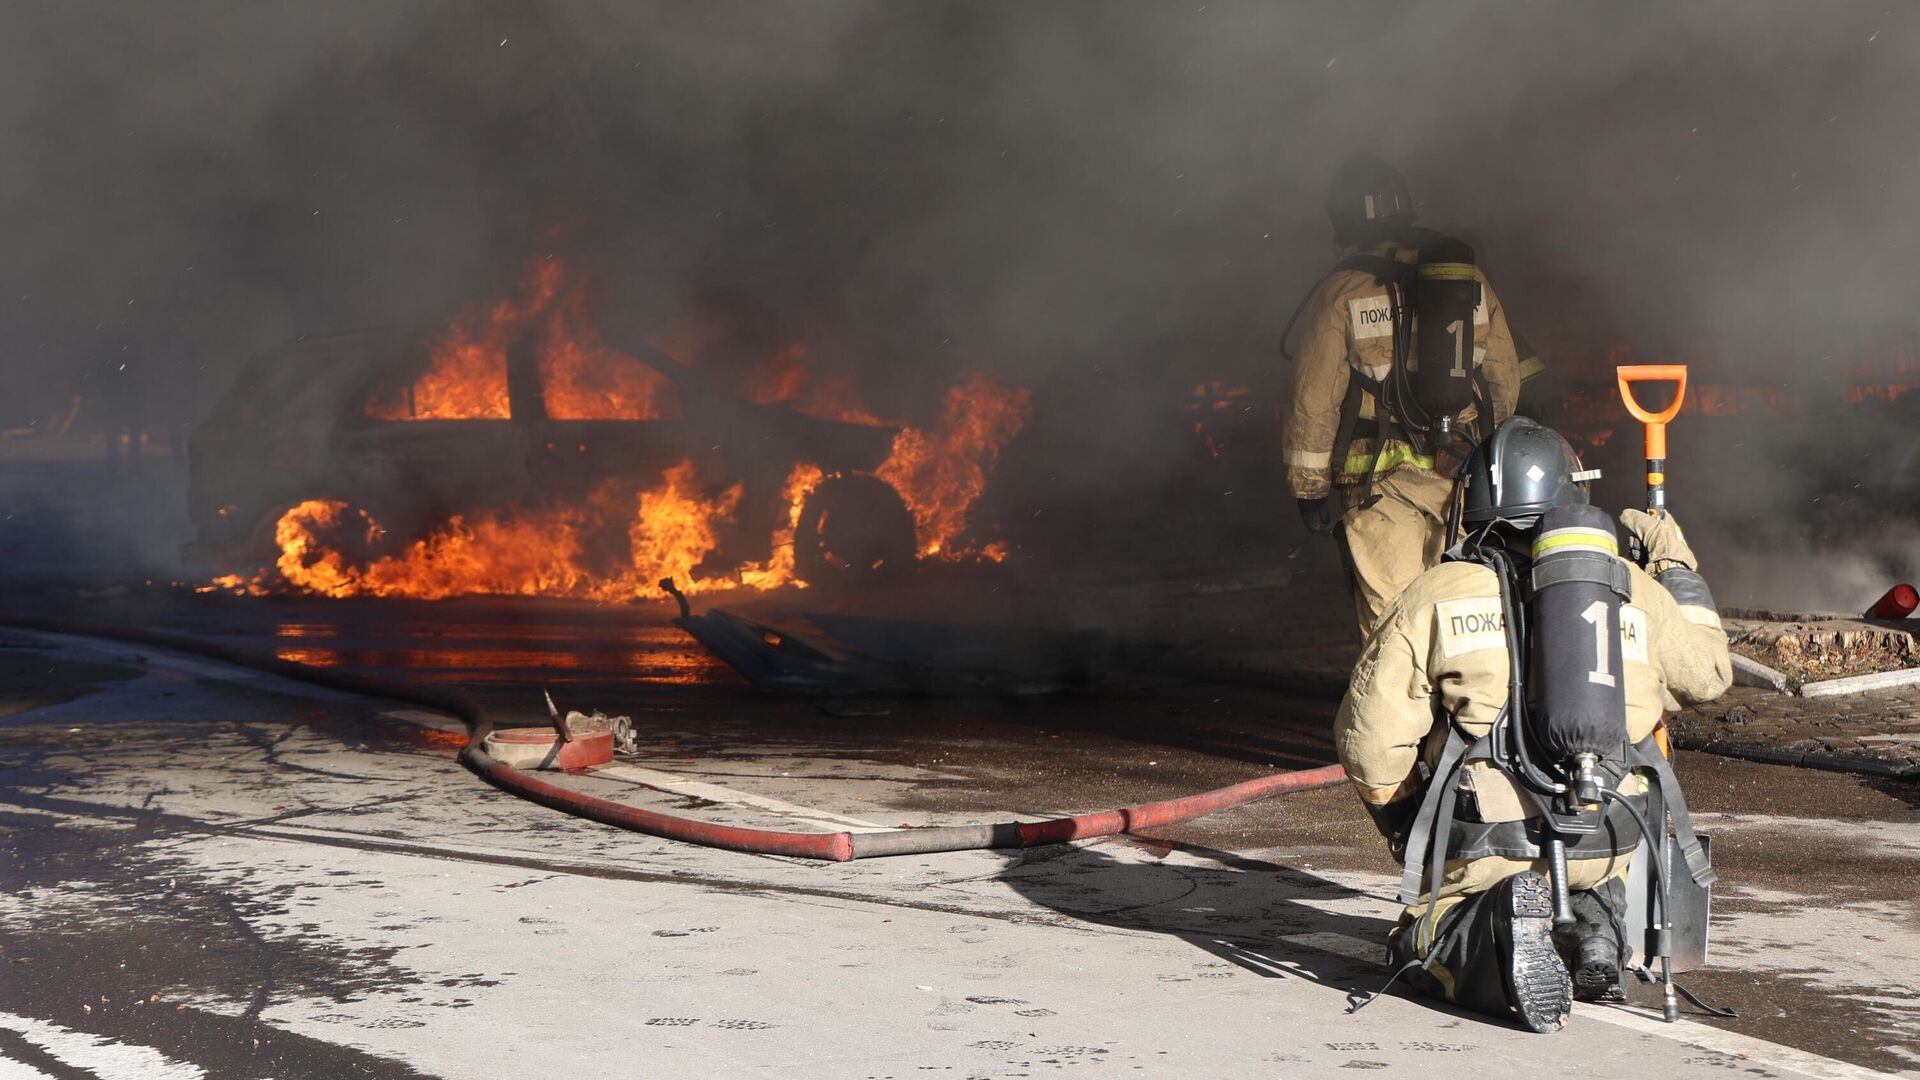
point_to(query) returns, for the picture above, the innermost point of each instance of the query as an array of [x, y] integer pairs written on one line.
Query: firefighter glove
[[1662, 545], [1317, 515]]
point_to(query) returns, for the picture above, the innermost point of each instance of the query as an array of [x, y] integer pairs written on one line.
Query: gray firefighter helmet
[[1523, 470], [1367, 192]]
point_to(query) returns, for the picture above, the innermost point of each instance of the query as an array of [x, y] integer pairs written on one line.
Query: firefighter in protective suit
[[1351, 462], [1435, 677]]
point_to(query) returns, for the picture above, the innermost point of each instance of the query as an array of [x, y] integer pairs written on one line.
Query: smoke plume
[[1110, 203]]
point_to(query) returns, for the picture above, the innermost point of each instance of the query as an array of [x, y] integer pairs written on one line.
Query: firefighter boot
[[1591, 946], [1494, 954]]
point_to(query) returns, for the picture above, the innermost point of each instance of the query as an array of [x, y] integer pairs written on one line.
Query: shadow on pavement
[[1259, 916]]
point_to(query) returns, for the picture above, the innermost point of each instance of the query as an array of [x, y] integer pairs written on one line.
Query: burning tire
[[853, 528]]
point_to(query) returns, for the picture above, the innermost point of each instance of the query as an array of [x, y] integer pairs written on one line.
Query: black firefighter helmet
[[1367, 194], [1523, 470]]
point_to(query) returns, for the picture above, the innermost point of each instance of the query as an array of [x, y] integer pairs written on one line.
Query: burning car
[[352, 421], [517, 454]]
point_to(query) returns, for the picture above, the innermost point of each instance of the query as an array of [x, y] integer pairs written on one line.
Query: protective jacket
[[1437, 667], [1347, 327]]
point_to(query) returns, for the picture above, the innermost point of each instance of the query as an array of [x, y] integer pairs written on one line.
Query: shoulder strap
[[1383, 270], [1433, 825], [1358, 386]]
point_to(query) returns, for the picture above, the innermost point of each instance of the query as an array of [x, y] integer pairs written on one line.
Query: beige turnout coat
[[1346, 327]]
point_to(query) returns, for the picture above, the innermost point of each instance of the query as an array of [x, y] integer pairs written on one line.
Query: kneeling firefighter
[[1405, 361], [1500, 730]]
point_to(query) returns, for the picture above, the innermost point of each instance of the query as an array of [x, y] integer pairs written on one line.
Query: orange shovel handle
[[1656, 422]]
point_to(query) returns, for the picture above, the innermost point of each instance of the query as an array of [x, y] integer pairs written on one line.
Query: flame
[[671, 528], [789, 377], [674, 530], [940, 474], [580, 378], [778, 569]]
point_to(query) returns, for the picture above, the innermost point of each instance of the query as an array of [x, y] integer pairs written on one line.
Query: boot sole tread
[[1542, 989]]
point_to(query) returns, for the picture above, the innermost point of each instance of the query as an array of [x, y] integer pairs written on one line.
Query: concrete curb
[[1860, 684], [1750, 672], [1858, 765], [1332, 688]]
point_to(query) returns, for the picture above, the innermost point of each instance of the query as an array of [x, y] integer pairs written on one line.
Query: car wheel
[[853, 529], [349, 534]]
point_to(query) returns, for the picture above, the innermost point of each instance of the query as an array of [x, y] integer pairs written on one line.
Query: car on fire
[[296, 425]]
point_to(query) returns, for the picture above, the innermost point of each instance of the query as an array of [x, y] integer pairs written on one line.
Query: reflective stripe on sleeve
[[1700, 616], [1531, 367], [1308, 459]]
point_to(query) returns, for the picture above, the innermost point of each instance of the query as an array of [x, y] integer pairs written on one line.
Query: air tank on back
[[1446, 292], [1579, 587]]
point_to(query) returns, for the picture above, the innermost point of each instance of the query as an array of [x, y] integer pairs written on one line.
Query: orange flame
[[672, 530], [580, 378], [778, 569], [941, 474], [790, 378]]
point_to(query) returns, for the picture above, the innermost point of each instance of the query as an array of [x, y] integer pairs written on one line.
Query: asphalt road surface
[[207, 871]]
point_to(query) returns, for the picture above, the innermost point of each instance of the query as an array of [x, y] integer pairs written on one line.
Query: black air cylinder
[[1579, 585], [1445, 293]]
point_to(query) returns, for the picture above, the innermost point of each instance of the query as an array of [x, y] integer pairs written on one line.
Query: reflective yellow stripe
[[1531, 367], [1453, 271], [1699, 616], [1590, 539], [1395, 455]]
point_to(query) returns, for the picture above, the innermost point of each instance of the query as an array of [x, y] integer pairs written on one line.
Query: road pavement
[[210, 871]]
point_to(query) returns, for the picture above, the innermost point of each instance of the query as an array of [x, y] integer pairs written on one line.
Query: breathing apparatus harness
[[1432, 378]]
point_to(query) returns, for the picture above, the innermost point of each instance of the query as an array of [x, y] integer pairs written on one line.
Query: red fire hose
[[831, 846], [843, 846], [1025, 834], [835, 847]]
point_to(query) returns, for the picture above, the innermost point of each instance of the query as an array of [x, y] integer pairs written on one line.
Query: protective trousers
[[1387, 544]]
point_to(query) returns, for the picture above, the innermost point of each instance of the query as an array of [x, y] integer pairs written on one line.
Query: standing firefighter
[[1405, 361], [1499, 729]]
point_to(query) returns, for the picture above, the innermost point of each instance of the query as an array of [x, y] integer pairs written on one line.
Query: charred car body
[[297, 424]]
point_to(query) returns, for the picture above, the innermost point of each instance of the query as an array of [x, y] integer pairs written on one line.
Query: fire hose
[[833, 847], [846, 846]]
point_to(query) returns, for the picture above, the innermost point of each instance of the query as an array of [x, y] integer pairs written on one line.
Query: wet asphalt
[[128, 780]]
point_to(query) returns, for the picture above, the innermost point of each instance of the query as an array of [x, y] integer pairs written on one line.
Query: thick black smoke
[[1110, 202]]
